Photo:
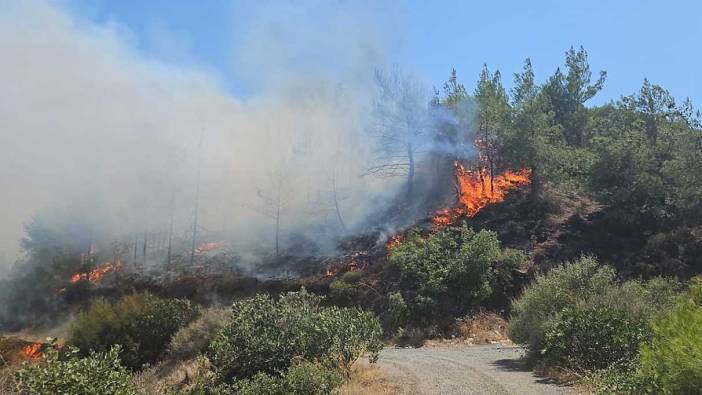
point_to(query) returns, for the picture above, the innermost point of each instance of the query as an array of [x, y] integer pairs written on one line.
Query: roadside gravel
[[488, 369]]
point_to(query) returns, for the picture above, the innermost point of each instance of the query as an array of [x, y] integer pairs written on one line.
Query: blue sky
[[631, 40]]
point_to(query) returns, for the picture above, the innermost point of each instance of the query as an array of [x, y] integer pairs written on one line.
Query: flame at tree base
[[96, 274], [477, 189], [33, 351]]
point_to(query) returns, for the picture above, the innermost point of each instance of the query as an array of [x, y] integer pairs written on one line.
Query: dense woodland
[[604, 244]]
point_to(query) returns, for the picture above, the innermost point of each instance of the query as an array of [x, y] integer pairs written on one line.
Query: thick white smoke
[[90, 128]]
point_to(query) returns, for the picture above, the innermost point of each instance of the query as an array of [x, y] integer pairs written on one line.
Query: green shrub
[[343, 293], [589, 296], [96, 374], [397, 311], [593, 338], [622, 379], [563, 287], [447, 273], [194, 338], [265, 335], [642, 300], [349, 333], [302, 378], [453, 261], [142, 324], [260, 384], [673, 358]]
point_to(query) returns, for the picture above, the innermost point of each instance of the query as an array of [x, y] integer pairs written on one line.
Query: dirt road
[[488, 370]]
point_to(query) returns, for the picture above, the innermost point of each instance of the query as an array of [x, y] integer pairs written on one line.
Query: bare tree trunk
[[277, 225], [170, 242], [336, 204], [488, 155], [136, 246], [410, 173], [144, 248], [197, 200]]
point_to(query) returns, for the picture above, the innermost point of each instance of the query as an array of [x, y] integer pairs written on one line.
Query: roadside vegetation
[[261, 345], [594, 266], [629, 337]]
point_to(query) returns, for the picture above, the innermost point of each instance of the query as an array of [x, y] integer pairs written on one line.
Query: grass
[[367, 379]]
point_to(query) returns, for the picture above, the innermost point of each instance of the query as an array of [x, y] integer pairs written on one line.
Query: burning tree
[[492, 116], [401, 121]]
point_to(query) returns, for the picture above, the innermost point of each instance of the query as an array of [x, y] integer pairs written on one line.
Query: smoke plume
[[94, 133]]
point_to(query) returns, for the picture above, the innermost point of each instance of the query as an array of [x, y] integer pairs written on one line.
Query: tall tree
[[400, 125], [452, 115], [569, 92], [530, 140], [492, 118]]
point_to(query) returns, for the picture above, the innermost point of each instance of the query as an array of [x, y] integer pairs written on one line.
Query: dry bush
[[8, 385], [169, 377], [367, 379], [481, 328], [196, 336]]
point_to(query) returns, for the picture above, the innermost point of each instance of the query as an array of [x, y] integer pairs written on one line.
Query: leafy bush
[[142, 324], [582, 302], [642, 300], [453, 261], [347, 334], [397, 311], [673, 357], [343, 293], [96, 374], [265, 335], [592, 338], [447, 273], [622, 380], [194, 338], [303, 378], [563, 287]]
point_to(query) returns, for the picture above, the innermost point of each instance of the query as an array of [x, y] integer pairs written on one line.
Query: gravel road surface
[[489, 369]]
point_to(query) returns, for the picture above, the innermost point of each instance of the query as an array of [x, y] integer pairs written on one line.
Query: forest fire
[[394, 241], [358, 261], [33, 351], [96, 274], [477, 189], [205, 247]]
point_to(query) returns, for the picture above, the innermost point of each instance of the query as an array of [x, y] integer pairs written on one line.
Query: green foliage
[[593, 338], [446, 273], [672, 359], [343, 293], [397, 311], [575, 312], [194, 338], [96, 374], [302, 378], [563, 287], [456, 262], [347, 334], [265, 335], [621, 379], [141, 323]]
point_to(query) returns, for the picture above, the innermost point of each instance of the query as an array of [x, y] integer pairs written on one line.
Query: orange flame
[[33, 350], [204, 247], [96, 274], [393, 242], [477, 189]]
